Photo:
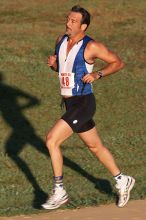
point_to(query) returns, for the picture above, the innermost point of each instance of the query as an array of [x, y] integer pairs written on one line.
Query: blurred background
[[30, 99]]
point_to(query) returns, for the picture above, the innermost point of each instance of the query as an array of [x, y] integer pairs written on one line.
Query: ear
[[83, 27]]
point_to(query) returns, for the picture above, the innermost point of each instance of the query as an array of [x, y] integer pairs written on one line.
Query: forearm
[[109, 69], [112, 68]]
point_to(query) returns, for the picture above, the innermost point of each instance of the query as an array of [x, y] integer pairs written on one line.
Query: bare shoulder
[[96, 45], [97, 49]]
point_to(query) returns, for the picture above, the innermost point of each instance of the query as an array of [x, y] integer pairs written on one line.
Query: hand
[[52, 61], [90, 77]]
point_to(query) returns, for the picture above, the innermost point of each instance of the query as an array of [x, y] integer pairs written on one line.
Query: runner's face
[[73, 24]]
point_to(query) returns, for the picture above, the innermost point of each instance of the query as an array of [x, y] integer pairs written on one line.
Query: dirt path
[[135, 210]]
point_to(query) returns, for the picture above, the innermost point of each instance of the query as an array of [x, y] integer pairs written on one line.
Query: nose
[[68, 24]]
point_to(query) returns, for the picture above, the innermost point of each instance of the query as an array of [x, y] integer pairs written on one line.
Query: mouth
[[68, 29]]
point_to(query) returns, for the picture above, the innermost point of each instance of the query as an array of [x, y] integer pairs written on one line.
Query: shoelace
[[120, 184], [121, 192], [53, 197]]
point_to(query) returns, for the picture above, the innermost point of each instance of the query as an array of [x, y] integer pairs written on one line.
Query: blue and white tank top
[[73, 67]]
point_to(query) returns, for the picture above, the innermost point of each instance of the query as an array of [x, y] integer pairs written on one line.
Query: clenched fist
[[52, 61]]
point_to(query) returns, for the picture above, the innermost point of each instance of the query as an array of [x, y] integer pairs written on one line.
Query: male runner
[[74, 59]]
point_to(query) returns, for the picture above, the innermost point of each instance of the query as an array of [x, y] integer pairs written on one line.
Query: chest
[[68, 52]]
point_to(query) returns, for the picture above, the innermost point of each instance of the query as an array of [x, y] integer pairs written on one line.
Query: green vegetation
[[29, 104]]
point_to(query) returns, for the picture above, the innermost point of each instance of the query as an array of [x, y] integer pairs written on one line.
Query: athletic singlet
[[73, 67]]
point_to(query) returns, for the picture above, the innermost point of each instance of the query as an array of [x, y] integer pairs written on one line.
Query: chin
[[68, 33]]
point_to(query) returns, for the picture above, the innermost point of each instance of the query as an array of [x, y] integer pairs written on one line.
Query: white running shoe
[[58, 198], [124, 186]]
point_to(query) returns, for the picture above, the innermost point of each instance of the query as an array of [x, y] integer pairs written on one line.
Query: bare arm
[[97, 50]]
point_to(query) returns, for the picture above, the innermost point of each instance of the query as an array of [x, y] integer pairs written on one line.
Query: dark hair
[[85, 14]]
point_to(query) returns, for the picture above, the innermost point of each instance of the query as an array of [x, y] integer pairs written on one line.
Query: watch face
[[100, 74]]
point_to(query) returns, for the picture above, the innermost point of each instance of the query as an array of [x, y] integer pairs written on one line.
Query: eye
[[73, 21]]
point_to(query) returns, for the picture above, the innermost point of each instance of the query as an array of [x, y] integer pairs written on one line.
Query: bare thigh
[[91, 138], [59, 132]]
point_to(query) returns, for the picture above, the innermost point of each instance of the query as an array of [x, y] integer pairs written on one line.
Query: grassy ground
[[29, 103]]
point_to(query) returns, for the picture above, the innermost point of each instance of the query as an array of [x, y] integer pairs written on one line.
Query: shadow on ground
[[23, 133]]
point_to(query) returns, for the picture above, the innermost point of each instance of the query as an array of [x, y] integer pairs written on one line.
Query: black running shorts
[[79, 112]]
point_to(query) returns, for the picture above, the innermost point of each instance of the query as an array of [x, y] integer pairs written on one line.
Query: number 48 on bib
[[66, 80]]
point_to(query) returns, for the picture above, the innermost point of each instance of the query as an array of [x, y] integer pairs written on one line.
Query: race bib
[[66, 80], [66, 83]]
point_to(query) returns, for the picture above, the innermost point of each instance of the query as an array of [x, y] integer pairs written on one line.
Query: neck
[[76, 38]]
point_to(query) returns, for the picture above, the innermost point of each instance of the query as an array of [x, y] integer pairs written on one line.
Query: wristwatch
[[100, 74]]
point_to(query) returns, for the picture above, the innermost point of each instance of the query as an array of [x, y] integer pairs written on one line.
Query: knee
[[51, 143], [96, 148]]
